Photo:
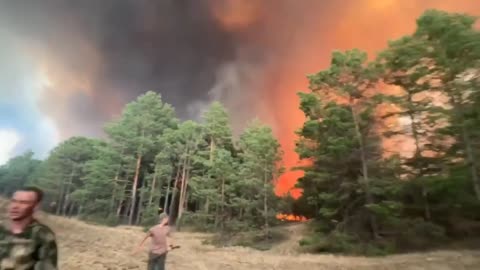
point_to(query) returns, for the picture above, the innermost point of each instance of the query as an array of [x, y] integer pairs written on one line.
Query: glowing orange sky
[[304, 42], [364, 24]]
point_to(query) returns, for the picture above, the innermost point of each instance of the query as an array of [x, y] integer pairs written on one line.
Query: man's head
[[163, 219], [24, 203]]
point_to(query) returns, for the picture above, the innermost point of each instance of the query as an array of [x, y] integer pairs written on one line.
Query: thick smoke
[[96, 55], [99, 55], [19, 114]]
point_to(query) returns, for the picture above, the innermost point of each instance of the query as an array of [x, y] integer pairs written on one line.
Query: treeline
[[366, 200], [422, 90], [152, 162]]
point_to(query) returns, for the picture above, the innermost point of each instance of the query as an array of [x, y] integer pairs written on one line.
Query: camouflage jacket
[[33, 249]]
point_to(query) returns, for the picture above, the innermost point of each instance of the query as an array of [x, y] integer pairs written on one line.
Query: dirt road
[[90, 247]]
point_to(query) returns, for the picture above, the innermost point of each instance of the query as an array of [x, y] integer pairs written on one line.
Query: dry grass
[[85, 246], [90, 247]]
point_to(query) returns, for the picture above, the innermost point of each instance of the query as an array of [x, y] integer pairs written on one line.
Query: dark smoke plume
[[253, 55], [170, 46]]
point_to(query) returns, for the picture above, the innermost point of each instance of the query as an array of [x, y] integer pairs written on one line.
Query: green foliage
[[406, 202], [150, 217], [62, 174], [419, 235], [336, 242], [18, 172], [361, 201], [151, 162], [217, 125]]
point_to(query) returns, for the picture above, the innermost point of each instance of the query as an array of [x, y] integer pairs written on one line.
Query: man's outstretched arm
[[140, 246]]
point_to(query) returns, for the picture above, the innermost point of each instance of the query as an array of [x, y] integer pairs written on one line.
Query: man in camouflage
[[26, 244]]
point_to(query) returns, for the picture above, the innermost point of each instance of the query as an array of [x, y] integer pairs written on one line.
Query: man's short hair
[[38, 192], [162, 216]]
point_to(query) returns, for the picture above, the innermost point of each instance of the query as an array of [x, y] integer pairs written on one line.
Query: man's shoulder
[[3, 229], [43, 231], [154, 227], [159, 227]]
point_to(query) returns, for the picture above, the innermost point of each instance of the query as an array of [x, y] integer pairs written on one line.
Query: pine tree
[[137, 131], [455, 50], [18, 172], [218, 135], [64, 171], [261, 155], [349, 79]]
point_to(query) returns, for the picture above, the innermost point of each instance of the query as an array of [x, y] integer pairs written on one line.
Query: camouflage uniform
[[33, 249]]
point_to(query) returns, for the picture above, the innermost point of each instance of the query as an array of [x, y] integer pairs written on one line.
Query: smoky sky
[[173, 47], [71, 65]]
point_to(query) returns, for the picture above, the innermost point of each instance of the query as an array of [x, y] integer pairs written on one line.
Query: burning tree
[[339, 137], [436, 69]]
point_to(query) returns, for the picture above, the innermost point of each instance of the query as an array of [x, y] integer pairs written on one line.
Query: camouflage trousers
[[156, 262]]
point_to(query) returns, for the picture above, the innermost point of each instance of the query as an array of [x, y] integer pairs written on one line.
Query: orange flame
[[304, 40], [235, 15], [290, 217]]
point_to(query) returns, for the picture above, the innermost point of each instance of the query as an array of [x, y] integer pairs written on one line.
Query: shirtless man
[[25, 243], [160, 245]]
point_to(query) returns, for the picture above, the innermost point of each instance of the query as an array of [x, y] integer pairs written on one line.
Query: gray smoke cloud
[[123, 48], [99, 55]]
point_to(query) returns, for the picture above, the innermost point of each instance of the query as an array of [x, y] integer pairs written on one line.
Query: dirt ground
[[84, 246], [91, 247]]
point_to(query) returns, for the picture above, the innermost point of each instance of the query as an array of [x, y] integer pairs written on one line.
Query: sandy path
[[90, 247]]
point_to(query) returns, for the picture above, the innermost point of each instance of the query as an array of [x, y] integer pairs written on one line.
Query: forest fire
[[297, 40], [238, 138], [235, 15], [277, 42], [290, 217]]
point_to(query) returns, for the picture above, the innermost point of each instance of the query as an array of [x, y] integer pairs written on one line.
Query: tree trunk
[[121, 200], [428, 215], [116, 181], [66, 202], [265, 203], [114, 192], [471, 158], [222, 206], [182, 186], [416, 138], [140, 207], [187, 198], [152, 189], [207, 201], [177, 174], [217, 219], [207, 205], [212, 148], [134, 189], [127, 209], [174, 192], [366, 180], [472, 161], [71, 209], [418, 153], [119, 209], [187, 178], [60, 199]]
